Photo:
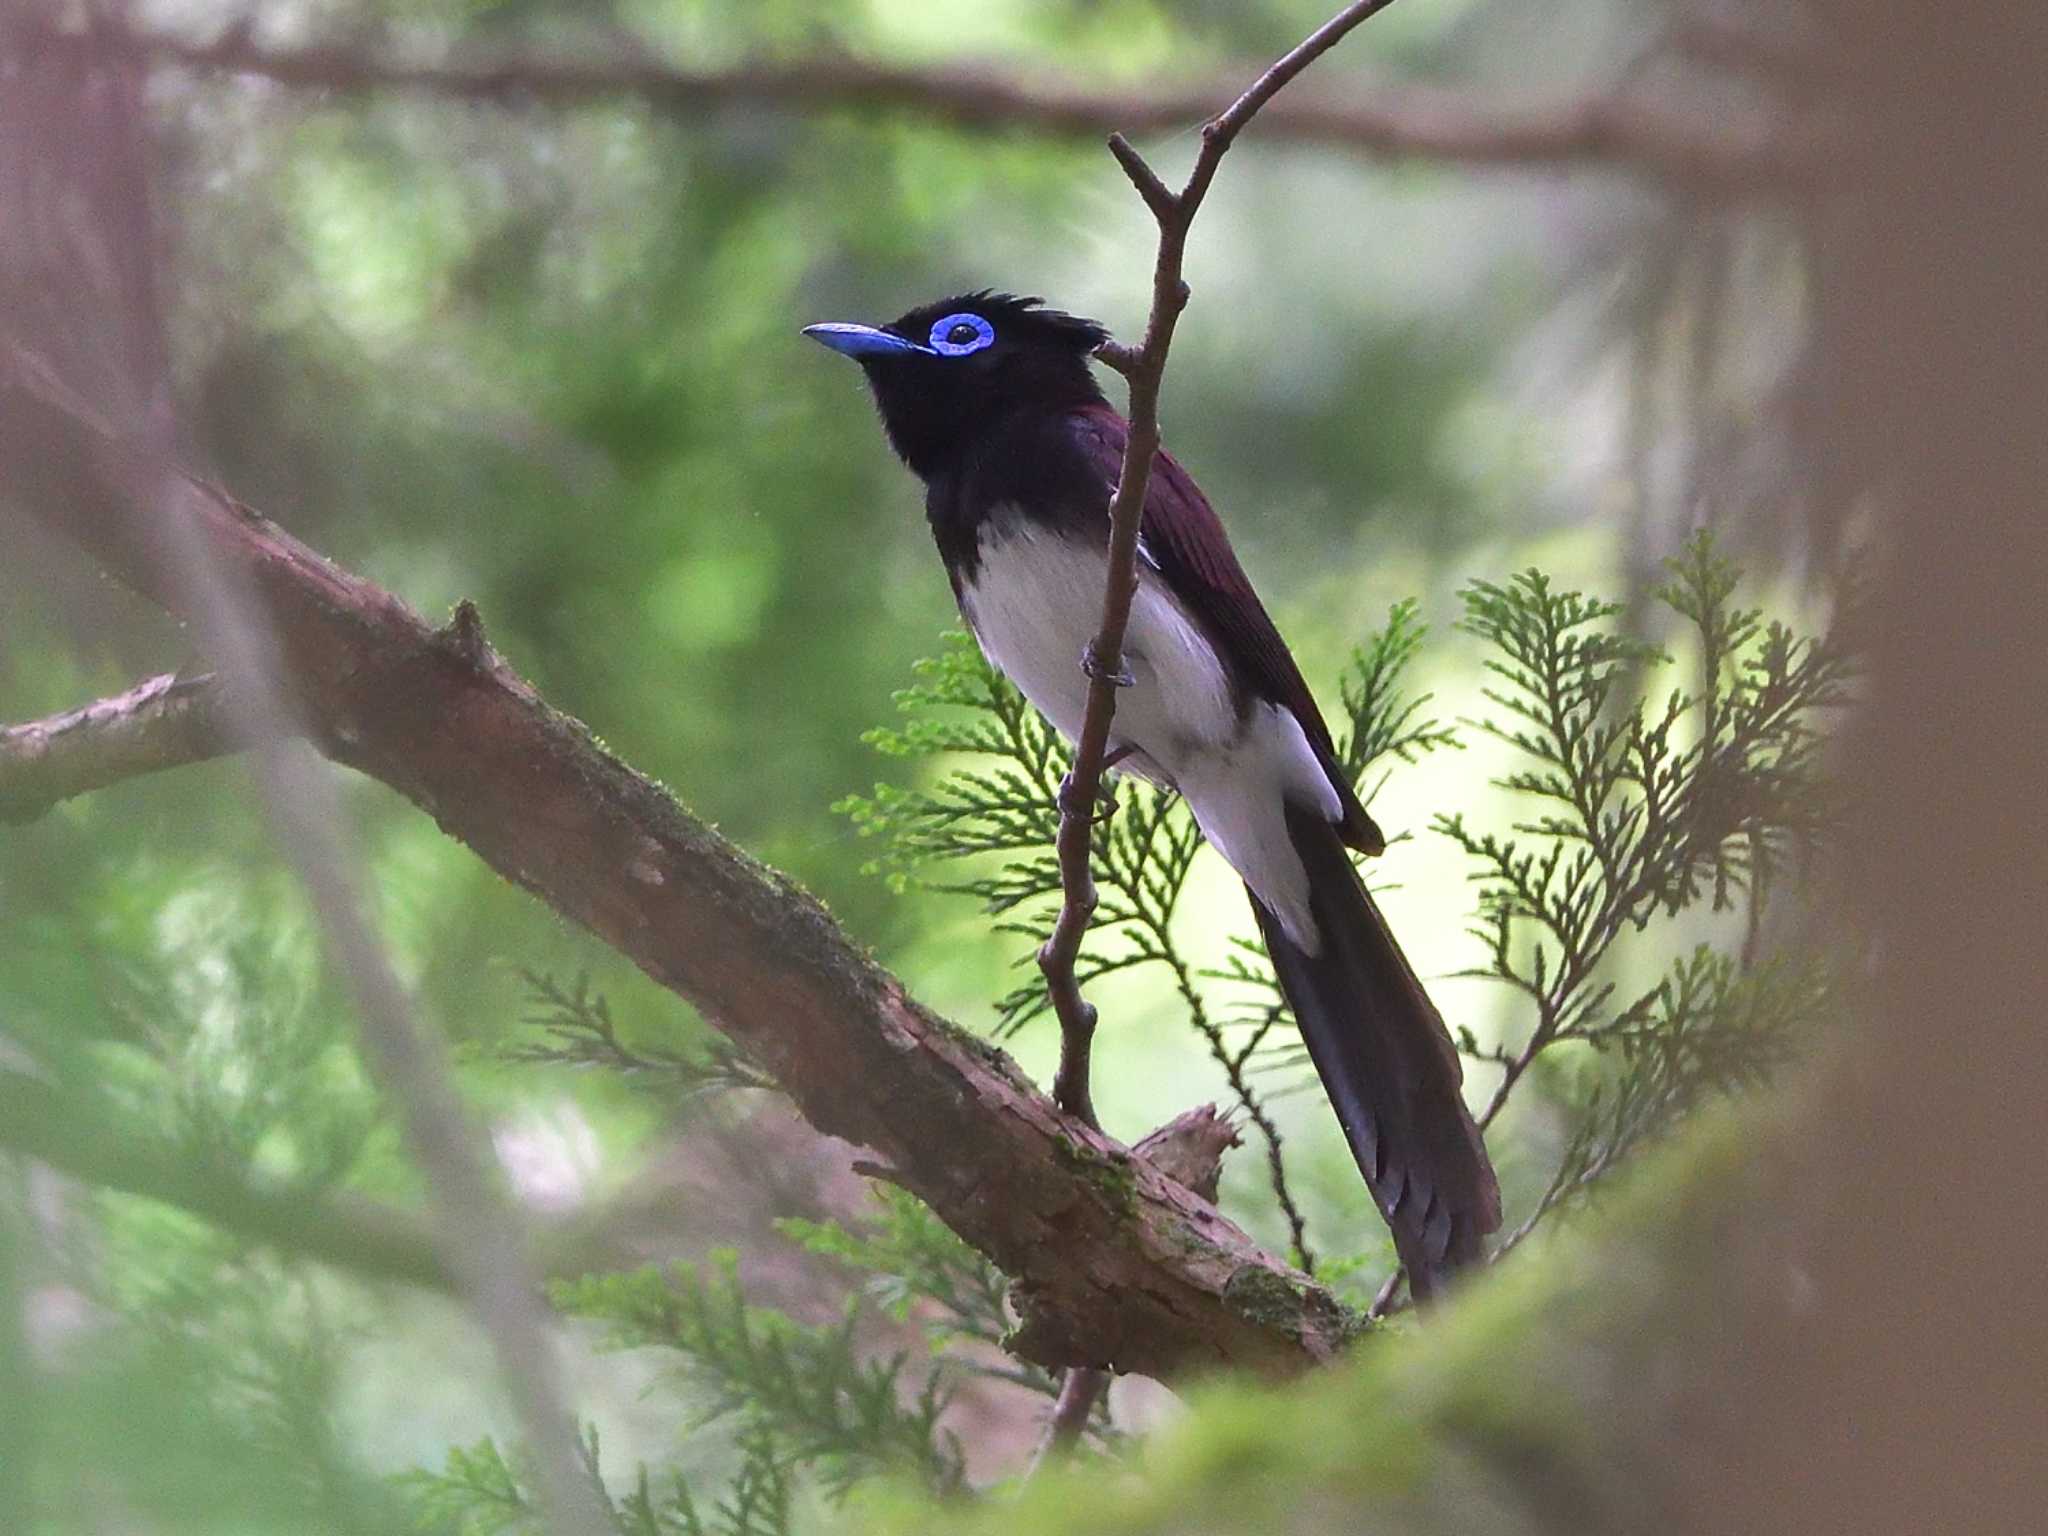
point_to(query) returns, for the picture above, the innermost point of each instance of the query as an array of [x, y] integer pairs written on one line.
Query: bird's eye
[[958, 335]]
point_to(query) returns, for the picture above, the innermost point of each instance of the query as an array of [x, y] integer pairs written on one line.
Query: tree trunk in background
[[1905, 1390]]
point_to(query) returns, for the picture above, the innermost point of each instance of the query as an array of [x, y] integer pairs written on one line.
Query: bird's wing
[[1184, 539]]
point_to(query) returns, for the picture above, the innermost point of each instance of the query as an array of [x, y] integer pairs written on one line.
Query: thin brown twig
[[1751, 151], [1144, 369], [1081, 1389]]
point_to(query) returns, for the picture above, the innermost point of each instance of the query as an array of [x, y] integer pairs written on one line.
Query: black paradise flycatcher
[[991, 401]]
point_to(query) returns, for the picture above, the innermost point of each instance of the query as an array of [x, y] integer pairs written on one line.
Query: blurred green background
[[546, 358]]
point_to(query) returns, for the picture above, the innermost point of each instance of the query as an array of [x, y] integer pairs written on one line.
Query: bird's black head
[[946, 373]]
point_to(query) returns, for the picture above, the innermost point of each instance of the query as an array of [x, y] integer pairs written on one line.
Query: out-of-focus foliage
[[819, 1405], [478, 1492], [547, 358], [842, 1415], [1548, 1401]]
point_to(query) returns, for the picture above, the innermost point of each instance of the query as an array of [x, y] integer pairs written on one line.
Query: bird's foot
[[1093, 666], [1071, 803]]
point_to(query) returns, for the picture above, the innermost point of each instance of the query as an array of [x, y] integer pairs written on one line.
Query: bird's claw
[[1092, 666]]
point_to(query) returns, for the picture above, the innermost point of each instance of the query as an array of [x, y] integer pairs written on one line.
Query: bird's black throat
[[1026, 467]]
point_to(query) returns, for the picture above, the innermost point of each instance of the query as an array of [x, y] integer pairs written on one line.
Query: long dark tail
[[1387, 1063]]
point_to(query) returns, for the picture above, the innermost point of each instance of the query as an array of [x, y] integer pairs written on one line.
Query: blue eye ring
[[946, 344]]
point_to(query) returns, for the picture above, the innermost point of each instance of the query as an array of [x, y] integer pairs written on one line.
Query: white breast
[[1036, 602]]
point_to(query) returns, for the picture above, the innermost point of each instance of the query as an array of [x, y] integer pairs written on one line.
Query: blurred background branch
[[382, 1243], [1628, 130], [164, 722]]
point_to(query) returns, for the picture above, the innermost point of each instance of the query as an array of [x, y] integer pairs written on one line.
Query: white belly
[[1034, 605]]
